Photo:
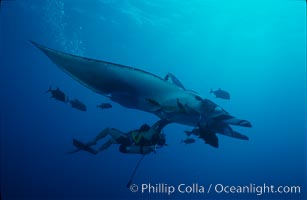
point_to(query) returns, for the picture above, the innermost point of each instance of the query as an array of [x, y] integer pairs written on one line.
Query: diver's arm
[[156, 129]]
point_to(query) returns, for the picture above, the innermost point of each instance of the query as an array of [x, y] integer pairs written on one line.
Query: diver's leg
[[106, 145], [117, 137], [105, 132], [102, 134]]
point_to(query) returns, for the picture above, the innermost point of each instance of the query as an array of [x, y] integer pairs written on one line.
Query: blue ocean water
[[256, 50]]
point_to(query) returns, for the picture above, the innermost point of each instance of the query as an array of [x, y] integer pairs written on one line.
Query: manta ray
[[134, 88]]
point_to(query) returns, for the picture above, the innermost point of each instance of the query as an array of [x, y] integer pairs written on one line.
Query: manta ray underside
[[137, 89]]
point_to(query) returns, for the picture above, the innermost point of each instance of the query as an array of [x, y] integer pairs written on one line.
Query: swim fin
[[85, 147]]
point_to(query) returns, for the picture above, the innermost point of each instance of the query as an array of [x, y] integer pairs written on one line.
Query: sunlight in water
[[57, 22]]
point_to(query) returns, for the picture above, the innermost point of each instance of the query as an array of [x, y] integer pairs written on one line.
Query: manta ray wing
[[125, 85]]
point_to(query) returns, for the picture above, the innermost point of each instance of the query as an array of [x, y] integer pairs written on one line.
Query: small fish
[[77, 104], [222, 94], [104, 106], [57, 94], [188, 141]]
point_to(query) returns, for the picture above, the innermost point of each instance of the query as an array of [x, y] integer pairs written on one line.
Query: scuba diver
[[140, 141]]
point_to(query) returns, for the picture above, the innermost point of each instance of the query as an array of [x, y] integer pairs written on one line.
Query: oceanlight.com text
[[257, 189], [197, 188]]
